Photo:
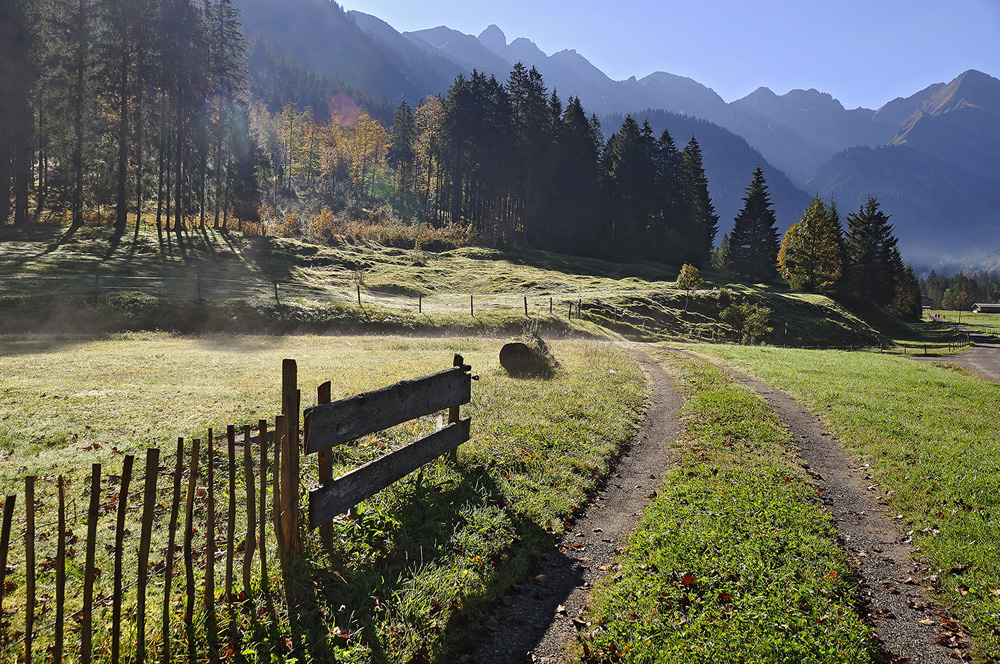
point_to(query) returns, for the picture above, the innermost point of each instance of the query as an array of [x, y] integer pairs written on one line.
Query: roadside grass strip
[[931, 439], [734, 560], [420, 565]]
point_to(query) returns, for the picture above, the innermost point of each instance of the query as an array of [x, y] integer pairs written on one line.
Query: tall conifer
[[753, 243]]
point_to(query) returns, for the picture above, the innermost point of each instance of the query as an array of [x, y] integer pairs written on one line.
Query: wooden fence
[[167, 564]]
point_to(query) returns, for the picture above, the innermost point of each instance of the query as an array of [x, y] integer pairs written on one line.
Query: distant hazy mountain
[[319, 35], [939, 176], [932, 159]]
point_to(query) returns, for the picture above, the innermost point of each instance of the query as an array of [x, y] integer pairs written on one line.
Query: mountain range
[[932, 159]]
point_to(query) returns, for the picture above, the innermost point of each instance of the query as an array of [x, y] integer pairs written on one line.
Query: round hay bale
[[517, 358]]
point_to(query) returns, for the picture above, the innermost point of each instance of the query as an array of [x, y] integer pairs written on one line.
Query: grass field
[[82, 282], [734, 560], [930, 439], [987, 323], [423, 560]]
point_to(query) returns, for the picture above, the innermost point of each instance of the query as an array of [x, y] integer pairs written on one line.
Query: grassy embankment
[[424, 560], [929, 436], [47, 281], [734, 560]]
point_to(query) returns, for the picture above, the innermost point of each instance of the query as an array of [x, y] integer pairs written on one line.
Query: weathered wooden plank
[[343, 493], [332, 424]]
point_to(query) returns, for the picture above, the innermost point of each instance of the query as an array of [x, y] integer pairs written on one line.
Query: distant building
[[986, 308], [926, 303]]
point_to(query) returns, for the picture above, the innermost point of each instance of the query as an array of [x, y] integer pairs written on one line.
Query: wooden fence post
[[231, 523], [87, 615], [420, 303], [211, 630], [168, 572], [472, 306], [262, 535], [8, 516], [29, 565], [325, 465], [189, 533], [453, 412], [525, 305], [250, 544], [277, 473], [148, 506], [116, 606], [290, 461], [57, 648]]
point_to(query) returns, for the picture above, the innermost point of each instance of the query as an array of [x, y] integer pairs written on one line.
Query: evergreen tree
[[907, 302], [872, 257], [17, 78], [753, 243], [630, 178], [701, 221], [810, 258], [402, 142]]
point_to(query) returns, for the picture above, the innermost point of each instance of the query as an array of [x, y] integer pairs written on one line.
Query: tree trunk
[[121, 204]]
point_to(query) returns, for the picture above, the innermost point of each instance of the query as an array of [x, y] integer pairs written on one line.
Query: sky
[[863, 52]]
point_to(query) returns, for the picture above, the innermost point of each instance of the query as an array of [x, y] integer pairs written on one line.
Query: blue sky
[[863, 52]]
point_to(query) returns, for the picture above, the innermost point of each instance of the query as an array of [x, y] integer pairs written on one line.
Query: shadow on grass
[[353, 597]]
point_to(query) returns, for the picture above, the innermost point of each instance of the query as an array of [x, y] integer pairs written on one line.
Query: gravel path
[[983, 359], [537, 616], [536, 621], [909, 625]]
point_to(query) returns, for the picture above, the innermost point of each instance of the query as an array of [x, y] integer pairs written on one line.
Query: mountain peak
[[493, 38], [971, 88]]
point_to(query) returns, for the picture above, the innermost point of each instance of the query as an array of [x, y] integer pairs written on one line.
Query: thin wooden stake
[[57, 647], [525, 305], [210, 620], [262, 438], [231, 523], [189, 533], [550, 306], [87, 615], [280, 428], [8, 515], [148, 505], [472, 306], [325, 466], [276, 300], [359, 295], [290, 398], [29, 564], [250, 544], [420, 303], [168, 572], [453, 412], [116, 605]]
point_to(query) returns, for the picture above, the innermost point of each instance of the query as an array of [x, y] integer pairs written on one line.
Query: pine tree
[[810, 258], [17, 77], [702, 223], [872, 256], [402, 141], [753, 243]]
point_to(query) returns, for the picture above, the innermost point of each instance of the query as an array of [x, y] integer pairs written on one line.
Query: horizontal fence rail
[[330, 424]]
